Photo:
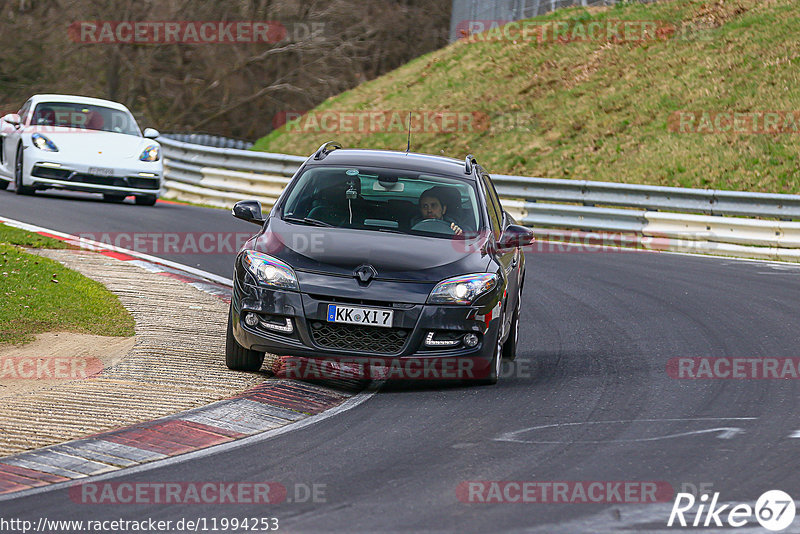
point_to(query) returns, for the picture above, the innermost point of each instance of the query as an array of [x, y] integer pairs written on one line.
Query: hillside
[[688, 104]]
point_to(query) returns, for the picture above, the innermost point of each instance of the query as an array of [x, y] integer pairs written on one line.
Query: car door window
[[494, 198], [491, 204], [23, 112]]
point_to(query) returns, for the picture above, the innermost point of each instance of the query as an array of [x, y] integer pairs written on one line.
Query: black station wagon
[[386, 258]]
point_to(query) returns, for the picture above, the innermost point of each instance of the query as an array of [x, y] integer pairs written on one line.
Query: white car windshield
[[383, 200], [85, 117]]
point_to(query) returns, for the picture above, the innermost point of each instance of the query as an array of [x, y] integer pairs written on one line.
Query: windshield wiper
[[308, 220]]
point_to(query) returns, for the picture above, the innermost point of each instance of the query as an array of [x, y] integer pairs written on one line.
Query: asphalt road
[[127, 225], [598, 330]]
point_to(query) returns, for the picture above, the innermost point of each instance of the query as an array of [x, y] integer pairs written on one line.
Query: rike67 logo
[[774, 510]]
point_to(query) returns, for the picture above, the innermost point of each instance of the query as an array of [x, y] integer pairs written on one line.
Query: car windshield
[[84, 116], [383, 200]]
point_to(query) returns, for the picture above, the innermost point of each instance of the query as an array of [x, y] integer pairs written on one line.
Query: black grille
[[50, 173], [98, 180], [359, 338], [143, 183]]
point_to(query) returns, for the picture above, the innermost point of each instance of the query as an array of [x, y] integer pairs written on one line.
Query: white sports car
[[81, 144]]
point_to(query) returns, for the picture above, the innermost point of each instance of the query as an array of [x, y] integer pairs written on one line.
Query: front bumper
[[311, 336], [131, 179]]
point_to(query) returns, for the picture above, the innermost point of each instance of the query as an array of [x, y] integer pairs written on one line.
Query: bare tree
[[232, 89]]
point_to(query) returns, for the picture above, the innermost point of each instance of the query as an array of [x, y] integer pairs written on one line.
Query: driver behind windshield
[[431, 206], [45, 117]]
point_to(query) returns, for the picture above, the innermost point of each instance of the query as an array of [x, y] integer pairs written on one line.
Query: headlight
[[43, 143], [151, 153], [462, 289], [269, 271]]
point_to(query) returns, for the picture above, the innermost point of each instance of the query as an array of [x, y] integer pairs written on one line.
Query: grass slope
[[599, 110], [39, 295]]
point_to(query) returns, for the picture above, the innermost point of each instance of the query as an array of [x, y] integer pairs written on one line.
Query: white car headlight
[[43, 143], [462, 289], [269, 271], [151, 153]]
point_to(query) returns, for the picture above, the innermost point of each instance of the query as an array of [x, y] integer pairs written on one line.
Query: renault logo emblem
[[365, 273]]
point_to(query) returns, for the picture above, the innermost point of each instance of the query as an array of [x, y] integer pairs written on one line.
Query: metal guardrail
[[651, 197], [209, 140], [222, 176], [721, 222]]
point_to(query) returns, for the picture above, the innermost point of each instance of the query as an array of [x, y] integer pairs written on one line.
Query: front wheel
[[238, 358], [510, 346], [147, 200], [3, 184], [19, 167]]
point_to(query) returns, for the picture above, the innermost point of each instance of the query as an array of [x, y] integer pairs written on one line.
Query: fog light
[[470, 340], [251, 319]]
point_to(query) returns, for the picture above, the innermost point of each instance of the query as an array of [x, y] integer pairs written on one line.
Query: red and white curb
[[267, 410], [268, 406]]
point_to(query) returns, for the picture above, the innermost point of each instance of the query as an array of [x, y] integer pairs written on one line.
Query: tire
[[494, 366], [109, 197], [510, 346], [19, 167], [238, 358], [149, 200], [3, 184]]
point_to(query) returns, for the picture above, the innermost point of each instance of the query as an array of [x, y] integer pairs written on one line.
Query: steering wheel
[[437, 226]]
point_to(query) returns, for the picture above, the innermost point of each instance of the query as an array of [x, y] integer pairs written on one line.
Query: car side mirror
[[151, 133], [248, 210], [515, 236], [12, 118]]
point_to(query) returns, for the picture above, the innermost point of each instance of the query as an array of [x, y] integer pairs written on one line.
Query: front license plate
[[357, 315], [101, 171]]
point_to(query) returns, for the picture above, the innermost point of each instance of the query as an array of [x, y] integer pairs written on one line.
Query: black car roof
[[392, 159]]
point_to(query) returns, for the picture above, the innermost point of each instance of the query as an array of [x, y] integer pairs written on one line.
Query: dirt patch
[[56, 357], [715, 14]]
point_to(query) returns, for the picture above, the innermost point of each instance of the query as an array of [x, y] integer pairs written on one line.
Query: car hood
[[397, 257], [92, 143]]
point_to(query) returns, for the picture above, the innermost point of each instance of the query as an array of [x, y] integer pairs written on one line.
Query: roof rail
[[469, 162], [323, 150]]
